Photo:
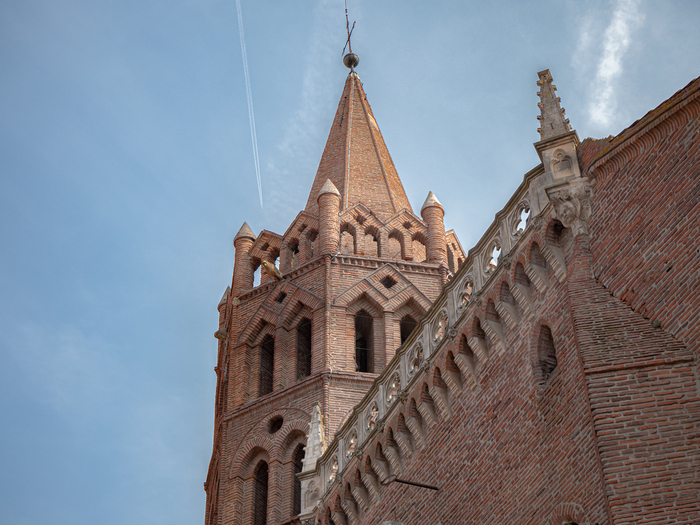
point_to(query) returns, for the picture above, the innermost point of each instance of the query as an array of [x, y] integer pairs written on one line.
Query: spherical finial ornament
[[351, 60]]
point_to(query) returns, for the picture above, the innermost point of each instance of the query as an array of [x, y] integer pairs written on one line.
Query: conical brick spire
[[552, 120], [356, 159]]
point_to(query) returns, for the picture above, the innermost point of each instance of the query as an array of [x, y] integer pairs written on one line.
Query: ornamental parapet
[[493, 290]]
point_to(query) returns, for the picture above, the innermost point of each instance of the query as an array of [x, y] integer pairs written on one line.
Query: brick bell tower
[[339, 292]]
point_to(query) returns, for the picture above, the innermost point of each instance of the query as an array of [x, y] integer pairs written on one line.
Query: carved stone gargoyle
[[572, 203]]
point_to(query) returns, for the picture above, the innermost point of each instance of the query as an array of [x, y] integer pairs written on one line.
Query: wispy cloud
[[251, 113], [627, 16], [294, 164]]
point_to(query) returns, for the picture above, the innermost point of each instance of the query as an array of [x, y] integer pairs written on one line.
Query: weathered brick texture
[[381, 270], [556, 384]]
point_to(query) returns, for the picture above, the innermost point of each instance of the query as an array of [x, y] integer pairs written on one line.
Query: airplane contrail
[[251, 113]]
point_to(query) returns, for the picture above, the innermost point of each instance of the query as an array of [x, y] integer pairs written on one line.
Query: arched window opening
[[257, 272], [419, 252], [347, 239], [260, 494], [395, 247], [267, 365], [303, 349], [363, 342], [546, 353], [297, 464], [407, 325], [372, 248], [313, 243], [293, 253]]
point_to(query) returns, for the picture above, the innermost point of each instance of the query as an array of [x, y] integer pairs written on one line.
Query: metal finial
[[351, 59]]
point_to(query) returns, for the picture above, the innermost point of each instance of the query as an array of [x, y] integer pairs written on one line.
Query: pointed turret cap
[[224, 297], [552, 120], [356, 159], [328, 187], [431, 200], [245, 231]]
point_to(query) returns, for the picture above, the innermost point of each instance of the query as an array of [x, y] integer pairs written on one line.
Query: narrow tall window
[[260, 495], [546, 353], [298, 461], [363, 342], [267, 365], [407, 325], [304, 349]]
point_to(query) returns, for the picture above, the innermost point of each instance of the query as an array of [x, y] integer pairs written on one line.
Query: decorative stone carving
[[491, 257], [440, 327], [392, 389], [537, 222], [372, 415], [465, 293], [415, 358], [572, 204], [315, 441], [452, 332], [561, 165], [520, 219], [333, 470], [350, 444]]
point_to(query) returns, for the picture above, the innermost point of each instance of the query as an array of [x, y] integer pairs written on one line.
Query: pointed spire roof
[[431, 200], [552, 120], [245, 231], [356, 159], [329, 187]]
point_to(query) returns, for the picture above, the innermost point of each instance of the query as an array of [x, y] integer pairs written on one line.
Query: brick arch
[[521, 258], [249, 455], [296, 314], [266, 329], [299, 295], [252, 331], [411, 306], [369, 301], [295, 434], [303, 222], [470, 325], [549, 228], [567, 512], [277, 412], [396, 235], [348, 227]]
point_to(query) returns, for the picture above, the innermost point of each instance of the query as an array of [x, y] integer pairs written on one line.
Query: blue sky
[[126, 168]]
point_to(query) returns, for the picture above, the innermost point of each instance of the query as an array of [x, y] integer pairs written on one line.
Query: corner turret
[[433, 214], [242, 267], [329, 225]]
